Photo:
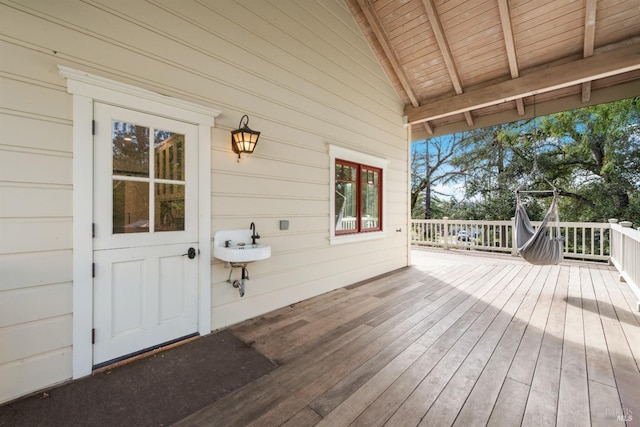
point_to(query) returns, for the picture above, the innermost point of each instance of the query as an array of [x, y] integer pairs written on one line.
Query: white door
[[146, 231]]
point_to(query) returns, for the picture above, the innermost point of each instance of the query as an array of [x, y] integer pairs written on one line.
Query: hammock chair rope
[[542, 245]]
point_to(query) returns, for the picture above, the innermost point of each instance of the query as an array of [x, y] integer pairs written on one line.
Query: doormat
[[155, 391]]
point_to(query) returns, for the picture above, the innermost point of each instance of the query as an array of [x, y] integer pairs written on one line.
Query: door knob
[[191, 253]]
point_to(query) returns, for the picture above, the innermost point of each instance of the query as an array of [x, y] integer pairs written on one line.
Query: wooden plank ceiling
[[460, 64]]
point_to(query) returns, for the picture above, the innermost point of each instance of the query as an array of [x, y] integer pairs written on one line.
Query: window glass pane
[[370, 200], [346, 205], [346, 198], [130, 207], [169, 156], [130, 149], [169, 208]]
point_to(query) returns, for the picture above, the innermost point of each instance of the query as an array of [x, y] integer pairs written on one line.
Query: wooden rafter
[[613, 60], [589, 41], [536, 39], [441, 38], [428, 128], [378, 30], [507, 31], [445, 49]]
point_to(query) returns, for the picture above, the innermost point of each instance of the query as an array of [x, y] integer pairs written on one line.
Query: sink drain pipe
[[239, 284]]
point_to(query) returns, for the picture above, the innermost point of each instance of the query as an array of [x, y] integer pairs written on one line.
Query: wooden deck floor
[[457, 339]]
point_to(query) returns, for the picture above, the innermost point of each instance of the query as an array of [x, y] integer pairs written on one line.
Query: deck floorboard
[[458, 339]]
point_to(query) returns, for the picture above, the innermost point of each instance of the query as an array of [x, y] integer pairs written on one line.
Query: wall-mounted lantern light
[[243, 139]]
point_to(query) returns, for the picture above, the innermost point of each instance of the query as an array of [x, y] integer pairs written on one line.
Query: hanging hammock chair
[[542, 245]]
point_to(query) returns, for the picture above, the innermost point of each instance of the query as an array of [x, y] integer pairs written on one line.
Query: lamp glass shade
[[244, 140]]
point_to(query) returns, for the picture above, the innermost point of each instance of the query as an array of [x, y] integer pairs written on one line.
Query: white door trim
[[86, 89]]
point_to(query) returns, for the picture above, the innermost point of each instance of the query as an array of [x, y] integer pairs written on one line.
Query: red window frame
[[359, 186]]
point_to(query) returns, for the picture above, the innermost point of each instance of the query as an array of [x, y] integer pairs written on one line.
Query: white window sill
[[359, 237]]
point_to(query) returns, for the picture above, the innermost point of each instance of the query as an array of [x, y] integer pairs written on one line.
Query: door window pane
[[130, 149], [169, 148], [130, 207], [169, 208], [133, 181]]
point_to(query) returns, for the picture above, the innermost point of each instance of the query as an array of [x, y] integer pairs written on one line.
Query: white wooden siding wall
[[35, 220], [303, 73]]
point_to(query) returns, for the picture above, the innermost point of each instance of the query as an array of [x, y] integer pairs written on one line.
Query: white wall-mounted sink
[[236, 246], [242, 254]]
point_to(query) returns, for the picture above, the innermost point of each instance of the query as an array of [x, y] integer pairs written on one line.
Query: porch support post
[[409, 229]]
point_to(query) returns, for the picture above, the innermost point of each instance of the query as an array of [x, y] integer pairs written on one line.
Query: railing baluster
[[497, 236]]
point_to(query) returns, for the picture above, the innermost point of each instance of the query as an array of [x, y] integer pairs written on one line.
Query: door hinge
[[93, 336], [93, 229], [93, 127], [93, 269]]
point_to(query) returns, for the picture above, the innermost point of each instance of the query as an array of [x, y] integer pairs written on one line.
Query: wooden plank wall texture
[[303, 73]]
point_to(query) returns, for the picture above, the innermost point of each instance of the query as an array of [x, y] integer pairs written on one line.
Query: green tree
[[431, 165], [591, 154], [495, 160]]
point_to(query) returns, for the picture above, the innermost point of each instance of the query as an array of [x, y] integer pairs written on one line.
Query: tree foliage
[[430, 167], [592, 155]]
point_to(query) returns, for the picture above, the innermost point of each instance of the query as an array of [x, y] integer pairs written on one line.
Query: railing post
[[612, 242], [514, 245], [624, 267], [446, 231]]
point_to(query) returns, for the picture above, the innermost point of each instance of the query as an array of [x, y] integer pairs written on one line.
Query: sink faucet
[[254, 235]]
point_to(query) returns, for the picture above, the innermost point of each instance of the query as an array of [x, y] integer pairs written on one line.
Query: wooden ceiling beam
[[520, 106], [441, 39], [586, 92], [428, 128], [507, 31], [445, 50], [376, 26], [468, 117], [589, 27], [599, 96], [613, 60], [589, 41]]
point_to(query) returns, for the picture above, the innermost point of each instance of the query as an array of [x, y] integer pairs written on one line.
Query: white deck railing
[[582, 240], [614, 242], [447, 233], [625, 254]]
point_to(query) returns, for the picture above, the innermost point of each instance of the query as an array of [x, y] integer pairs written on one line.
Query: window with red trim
[[358, 198]]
